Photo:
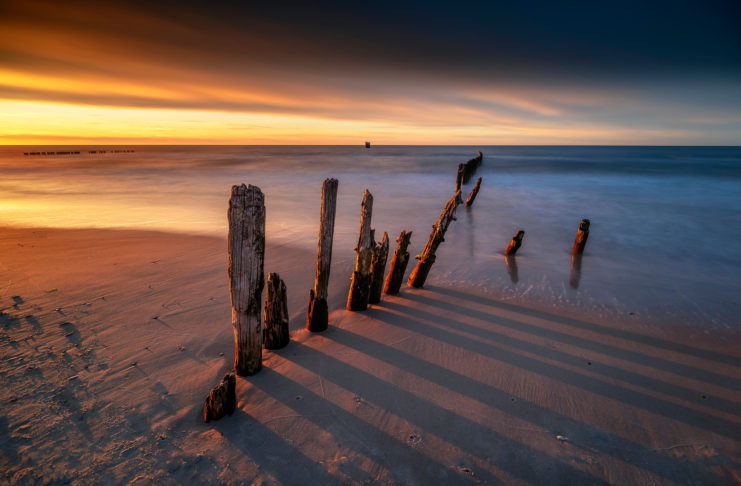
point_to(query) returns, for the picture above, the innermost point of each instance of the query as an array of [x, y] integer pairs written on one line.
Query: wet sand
[[110, 341]]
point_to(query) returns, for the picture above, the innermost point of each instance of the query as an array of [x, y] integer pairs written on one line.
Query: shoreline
[[112, 339]]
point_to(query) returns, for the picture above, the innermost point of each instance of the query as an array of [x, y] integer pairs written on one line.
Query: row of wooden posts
[[246, 247]]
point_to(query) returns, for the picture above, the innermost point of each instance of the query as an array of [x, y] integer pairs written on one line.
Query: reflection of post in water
[[511, 262], [575, 270]]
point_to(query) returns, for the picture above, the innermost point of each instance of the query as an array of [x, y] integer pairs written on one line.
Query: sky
[[468, 73]]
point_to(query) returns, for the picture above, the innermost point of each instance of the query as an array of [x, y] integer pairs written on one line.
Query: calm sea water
[[665, 242]]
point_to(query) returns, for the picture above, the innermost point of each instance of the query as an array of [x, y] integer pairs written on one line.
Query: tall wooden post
[[378, 267], [398, 264], [317, 317], [474, 192], [427, 257], [246, 280], [581, 237], [357, 298], [515, 244], [276, 313]]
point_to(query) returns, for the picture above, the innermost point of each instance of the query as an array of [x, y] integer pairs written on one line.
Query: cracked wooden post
[[398, 264], [378, 267], [317, 316], [246, 280], [427, 257], [474, 192], [581, 237], [357, 298], [515, 244], [222, 400], [276, 314]]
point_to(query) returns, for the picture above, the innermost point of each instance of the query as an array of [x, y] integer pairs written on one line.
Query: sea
[[664, 246]]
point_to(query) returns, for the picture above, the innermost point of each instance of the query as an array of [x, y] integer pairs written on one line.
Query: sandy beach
[[111, 339]]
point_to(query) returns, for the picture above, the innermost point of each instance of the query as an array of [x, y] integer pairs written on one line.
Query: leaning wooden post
[[581, 237], [378, 267], [474, 192], [317, 317], [515, 244], [246, 280], [357, 298], [398, 264], [276, 314], [427, 257]]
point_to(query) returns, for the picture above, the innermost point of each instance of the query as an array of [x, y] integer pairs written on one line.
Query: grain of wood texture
[[515, 243], [427, 257], [276, 313], [398, 264], [317, 315], [474, 193], [357, 299], [222, 400], [581, 237], [378, 267], [246, 279]]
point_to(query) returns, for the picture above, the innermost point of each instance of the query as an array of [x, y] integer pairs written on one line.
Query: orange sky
[[116, 75]]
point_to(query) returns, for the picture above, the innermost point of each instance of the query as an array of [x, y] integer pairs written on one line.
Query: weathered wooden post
[[510, 261], [398, 264], [515, 244], [459, 178], [317, 317], [427, 257], [378, 267], [222, 400], [246, 280], [276, 314], [581, 237], [474, 192], [575, 275], [357, 298]]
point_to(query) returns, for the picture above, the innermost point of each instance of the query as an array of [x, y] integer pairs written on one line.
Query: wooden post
[[510, 261], [398, 264], [474, 192], [276, 314], [575, 275], [459, 178], [427, 257], [515, 244], [317, 317], [469, 168], [357, 298], [246, 280], [378, 267], [222, 400], [581, 237]]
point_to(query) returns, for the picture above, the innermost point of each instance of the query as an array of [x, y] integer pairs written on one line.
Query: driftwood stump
[[378, 267], [357, 298], [515, 244], [581, 237], [276, 314], [222, 400], [427, 257], [510, 261], [317, 316], [474, 192], [246, 280], [398, 264]]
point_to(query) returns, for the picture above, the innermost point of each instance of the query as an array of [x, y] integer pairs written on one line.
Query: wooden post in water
[[378, 267], [357, 298], [317, 317], [575, 275], [427, 257], [459, 178], [474, 192], [246, 280], [398, 264], [581, 237], [276, 314], [515, 244]]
